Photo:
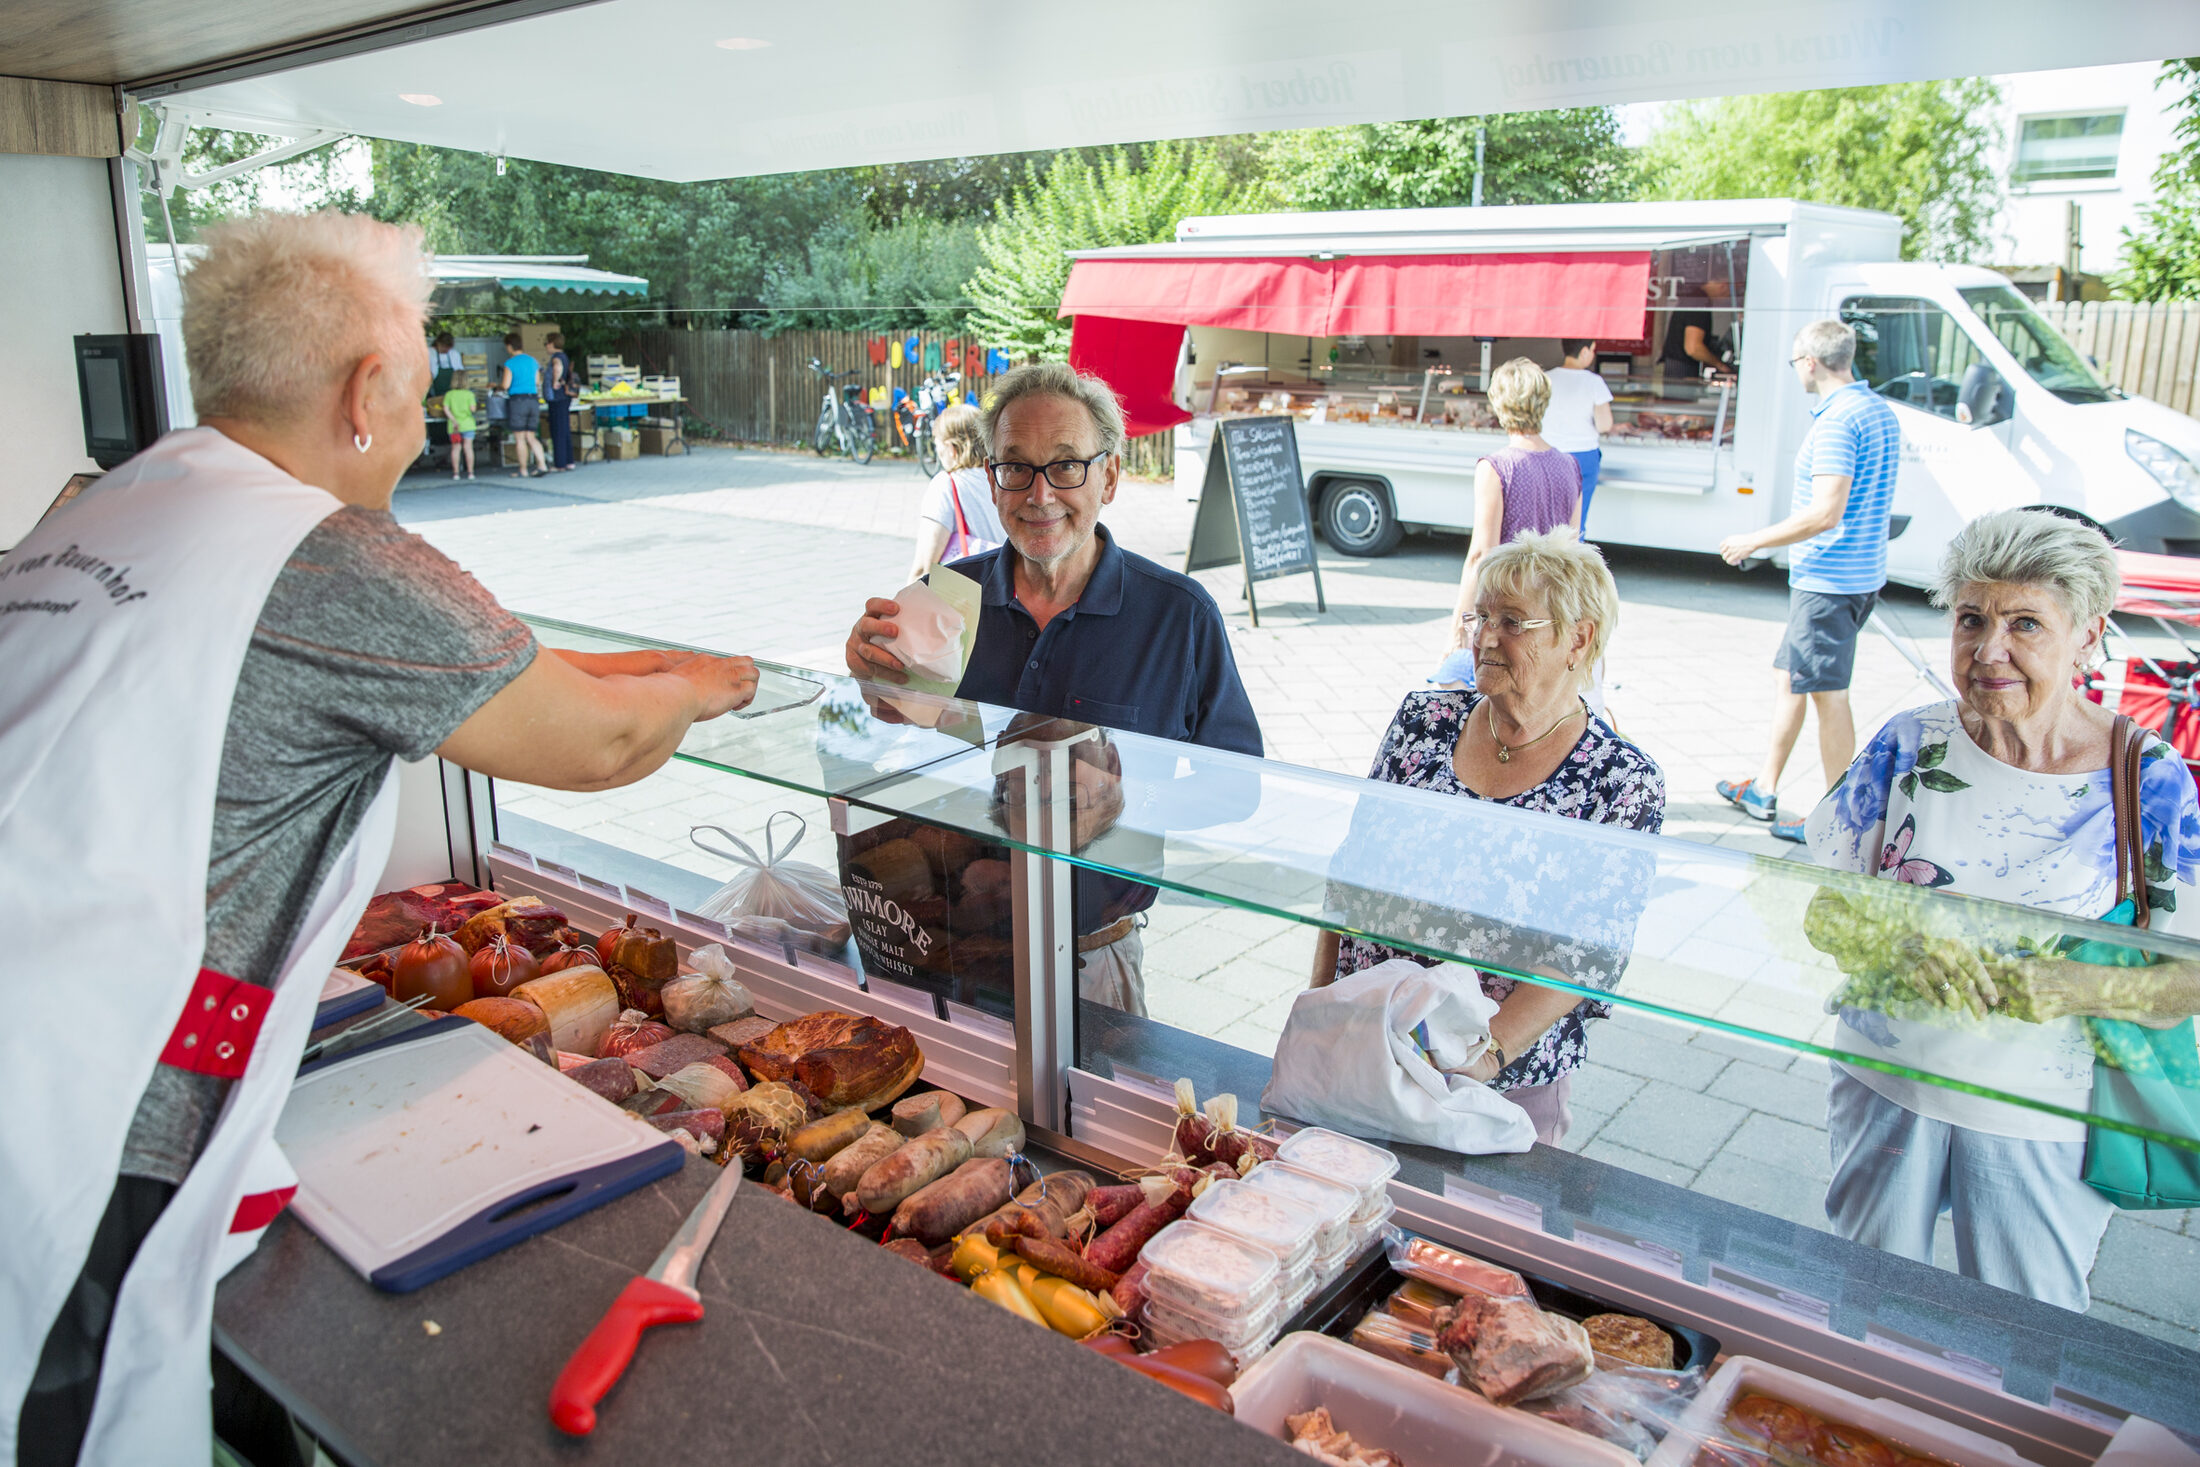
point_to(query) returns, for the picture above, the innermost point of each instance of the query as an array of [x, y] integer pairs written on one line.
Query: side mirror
[[1984, 398]]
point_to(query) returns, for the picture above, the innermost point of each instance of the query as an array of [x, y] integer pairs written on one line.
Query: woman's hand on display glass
[[723, 683], [2060, 988], [1948, 972], [866, 659]]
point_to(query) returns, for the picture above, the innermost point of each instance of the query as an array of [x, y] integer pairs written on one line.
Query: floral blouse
[[1511, 889]]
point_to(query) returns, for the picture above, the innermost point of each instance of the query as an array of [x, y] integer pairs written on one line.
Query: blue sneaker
[[1743, 796], [1789, 829]]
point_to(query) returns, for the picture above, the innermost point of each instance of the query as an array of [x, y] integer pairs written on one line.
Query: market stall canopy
[[534, 272], [690, 89]]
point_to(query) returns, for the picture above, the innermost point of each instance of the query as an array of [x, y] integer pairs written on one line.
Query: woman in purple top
[[1526, 487]]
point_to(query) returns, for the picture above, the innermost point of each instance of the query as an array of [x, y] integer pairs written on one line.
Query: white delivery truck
[[1376, 330]]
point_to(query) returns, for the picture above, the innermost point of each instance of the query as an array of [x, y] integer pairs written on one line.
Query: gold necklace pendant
[[1505, 754]]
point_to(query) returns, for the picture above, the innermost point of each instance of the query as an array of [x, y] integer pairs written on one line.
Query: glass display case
[[1032, 833]]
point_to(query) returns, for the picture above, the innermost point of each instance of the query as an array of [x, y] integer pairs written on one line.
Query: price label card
[[1642, 1252], [1726, 1279], [557, 869], [915, 998], [708, 925], [513, 854], [1497, 1204], [1145, 1084], [979, 1022], [642, 901], [1936, 1357], [2066, 1402], [602, 888]]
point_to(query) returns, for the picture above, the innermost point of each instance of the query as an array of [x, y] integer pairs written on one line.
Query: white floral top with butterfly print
[[1925, 804]]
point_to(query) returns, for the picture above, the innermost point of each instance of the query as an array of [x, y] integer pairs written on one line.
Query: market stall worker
[[215, 656], [444, 364], [1074, 626], [1689, 343]]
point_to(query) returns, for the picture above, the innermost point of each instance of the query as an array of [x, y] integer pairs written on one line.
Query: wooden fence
[[2148, 348], [755, 388]]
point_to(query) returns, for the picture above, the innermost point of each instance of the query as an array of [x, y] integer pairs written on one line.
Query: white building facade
[[2077, 158]]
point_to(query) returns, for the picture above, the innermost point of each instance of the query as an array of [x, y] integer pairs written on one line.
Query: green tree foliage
[[1565, 156], [1080, 205], [859, 276], [2162, 256], [1922, 150], [321, 179]]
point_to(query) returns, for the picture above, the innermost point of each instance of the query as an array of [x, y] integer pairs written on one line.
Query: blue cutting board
[[447, 1144]]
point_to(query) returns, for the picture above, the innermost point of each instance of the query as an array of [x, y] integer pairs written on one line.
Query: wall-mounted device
[[118, 381]]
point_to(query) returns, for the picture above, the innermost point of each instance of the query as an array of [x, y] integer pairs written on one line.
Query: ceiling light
[[420, 99], [742, 43]]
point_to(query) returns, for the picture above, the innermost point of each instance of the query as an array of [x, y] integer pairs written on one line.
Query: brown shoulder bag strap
[[2127, 740]]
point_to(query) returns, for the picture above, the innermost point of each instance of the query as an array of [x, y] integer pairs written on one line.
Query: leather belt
[[220, 1024], [1115, 931]]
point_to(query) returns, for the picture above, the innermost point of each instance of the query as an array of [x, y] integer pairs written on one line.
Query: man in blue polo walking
[[1844, 486]]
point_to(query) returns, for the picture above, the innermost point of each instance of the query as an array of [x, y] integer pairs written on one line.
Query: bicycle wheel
[[866, 435], [928, 452], [821, 438]]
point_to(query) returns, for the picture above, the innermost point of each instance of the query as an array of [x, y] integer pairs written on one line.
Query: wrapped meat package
[[929, 634], [1510, 1350], [699, 1001]]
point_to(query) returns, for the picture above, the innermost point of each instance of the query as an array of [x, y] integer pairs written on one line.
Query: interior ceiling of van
[[692, 89]]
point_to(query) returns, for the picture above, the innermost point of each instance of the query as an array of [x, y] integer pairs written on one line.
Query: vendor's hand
[[2059, 988], [723, 683], [864, 658], [1947, 972], [1735, 549]]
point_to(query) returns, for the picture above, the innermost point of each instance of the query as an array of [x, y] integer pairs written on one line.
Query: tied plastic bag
[[930, 643], [1356, 1056], [709, 996], [807, 898], [1630, 1406]]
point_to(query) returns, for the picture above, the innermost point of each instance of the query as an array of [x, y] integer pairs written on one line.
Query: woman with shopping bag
[[1521, 740]]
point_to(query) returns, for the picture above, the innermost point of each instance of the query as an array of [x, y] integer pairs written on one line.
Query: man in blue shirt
[[1844, 485], [1074, 626]]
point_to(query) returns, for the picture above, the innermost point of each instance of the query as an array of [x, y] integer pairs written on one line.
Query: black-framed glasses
[[1063, 473]]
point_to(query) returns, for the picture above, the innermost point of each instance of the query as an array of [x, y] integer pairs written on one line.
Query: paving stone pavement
[[773, 553]]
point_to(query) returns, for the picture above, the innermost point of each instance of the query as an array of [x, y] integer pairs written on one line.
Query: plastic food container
[[1340, 1157], [1386, 1405], [1892, 1422], [1284, 1227], [1334, 1201], [1197, 1268], [1375, 1227], [1179, 1323]]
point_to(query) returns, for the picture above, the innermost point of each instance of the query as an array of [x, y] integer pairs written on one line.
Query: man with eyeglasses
[[1071, 625]]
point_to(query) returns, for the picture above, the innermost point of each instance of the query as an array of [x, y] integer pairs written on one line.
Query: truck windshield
[[2038, 347]]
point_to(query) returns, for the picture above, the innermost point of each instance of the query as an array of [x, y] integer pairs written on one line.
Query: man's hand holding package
[[865, 658]]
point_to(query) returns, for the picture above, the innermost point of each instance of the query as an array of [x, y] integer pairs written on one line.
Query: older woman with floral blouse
[[2002, 793], [1522, 739]]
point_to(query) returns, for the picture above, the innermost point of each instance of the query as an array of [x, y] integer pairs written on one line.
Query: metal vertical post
[[1045, 937]]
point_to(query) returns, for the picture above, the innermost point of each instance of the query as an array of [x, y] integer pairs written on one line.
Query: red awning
[[1602, 294], [1137, 359]]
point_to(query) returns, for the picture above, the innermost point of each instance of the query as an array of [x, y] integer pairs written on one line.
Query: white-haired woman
[[2002, 793], [1545, 607], [246, 642], [957, 518]]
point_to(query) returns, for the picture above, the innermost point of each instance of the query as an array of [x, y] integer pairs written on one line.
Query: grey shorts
[[522, 414], [1818, 650]]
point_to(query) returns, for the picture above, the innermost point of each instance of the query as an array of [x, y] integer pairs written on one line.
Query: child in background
[[458, 416]]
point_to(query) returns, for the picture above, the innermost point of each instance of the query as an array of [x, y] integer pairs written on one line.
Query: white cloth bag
[[1350, 1059]]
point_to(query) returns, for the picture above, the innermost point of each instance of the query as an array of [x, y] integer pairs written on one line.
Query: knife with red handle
[[664, 1295]]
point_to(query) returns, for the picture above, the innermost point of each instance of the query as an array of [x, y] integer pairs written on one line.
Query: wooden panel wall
[[2151, 348], [58, 119]]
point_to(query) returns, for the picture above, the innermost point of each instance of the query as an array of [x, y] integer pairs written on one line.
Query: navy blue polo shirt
[[1143, 650]]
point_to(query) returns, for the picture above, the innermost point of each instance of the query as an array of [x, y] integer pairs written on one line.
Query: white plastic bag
[[929, 638], [1349, 1058], [805, 897], [709, 996]]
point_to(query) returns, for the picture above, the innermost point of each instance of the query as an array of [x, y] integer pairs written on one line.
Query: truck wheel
[[1357, 519]]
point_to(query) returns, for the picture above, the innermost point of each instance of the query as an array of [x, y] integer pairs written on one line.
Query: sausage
[[1183, 1382], [937, 1212], [1130, 1295], [819, 1141], [848, 1165], [1108, 1343], [1062, 1261], [992, 1132], [916, 1114], [1004, 1228], [908, 1248], [1065, 1193], [1200, 1357], [1110, 1204], [1117, 1248], [910, 1168]]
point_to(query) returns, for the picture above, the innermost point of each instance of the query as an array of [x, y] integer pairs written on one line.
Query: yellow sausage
[[1069, 1309], [998, 1287], [973, 1255]]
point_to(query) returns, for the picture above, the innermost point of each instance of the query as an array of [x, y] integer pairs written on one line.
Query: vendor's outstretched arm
[[560, 727]]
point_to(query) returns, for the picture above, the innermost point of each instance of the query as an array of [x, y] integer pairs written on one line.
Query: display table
[[817, 1347]]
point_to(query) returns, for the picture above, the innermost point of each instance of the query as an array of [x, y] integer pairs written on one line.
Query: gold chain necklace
[[1504, 751]]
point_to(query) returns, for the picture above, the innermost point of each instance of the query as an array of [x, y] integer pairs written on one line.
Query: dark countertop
[[816, 1347]]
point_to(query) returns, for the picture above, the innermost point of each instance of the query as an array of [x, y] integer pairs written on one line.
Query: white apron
[[124, 621]]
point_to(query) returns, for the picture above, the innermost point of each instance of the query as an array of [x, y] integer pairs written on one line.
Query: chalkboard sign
[[1252, 508]]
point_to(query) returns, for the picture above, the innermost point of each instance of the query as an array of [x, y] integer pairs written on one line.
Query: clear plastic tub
[[1340, 1157], [1179, 1323], [1374, 1228], [1209, 1271], [1334, 1201], [1284, 1227], [1240, 1355]]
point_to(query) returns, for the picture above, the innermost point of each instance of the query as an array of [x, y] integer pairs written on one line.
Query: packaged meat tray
[[1214, 1273], [1283, 1226], [1387, 1407], [1334, 1202], [1326, 1153], [1704, 1426]]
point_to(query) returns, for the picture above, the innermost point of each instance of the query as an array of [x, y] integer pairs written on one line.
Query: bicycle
[[843, 420], [914, 418]]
